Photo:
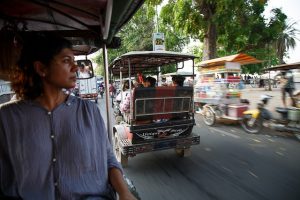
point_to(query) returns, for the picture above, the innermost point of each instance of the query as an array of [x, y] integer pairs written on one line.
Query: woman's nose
[[75, 67]]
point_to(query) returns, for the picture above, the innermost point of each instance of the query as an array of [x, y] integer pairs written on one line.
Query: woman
[[53, 145], [124, 97]]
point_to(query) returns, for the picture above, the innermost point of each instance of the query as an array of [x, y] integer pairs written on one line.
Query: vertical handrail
[[106, 75], [130, 92], [192, 100]]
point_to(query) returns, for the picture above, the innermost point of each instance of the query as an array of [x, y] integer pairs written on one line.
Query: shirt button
[[54, 159], [55, 184], [52, 136], [49, 113]]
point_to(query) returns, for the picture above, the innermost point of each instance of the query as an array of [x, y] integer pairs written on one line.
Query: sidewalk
[[253, 95]]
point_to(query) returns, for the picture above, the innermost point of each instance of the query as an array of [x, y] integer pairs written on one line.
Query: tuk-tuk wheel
[[209, 117], [183, 152], [117, 149]]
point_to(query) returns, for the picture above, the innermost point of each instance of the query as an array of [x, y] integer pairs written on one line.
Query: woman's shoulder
[[84, 103], [11, 105]]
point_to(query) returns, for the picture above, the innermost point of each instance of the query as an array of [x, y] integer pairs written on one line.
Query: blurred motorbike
[[254, 120]]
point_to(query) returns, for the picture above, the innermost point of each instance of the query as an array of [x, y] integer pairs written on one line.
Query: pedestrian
[[54, 145], [112, 90]]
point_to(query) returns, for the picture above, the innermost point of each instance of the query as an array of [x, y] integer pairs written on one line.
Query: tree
[[286, 40], [136, 35], [99, 70]]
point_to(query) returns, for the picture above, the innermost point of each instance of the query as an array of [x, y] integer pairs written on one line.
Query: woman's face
[[62, 70]]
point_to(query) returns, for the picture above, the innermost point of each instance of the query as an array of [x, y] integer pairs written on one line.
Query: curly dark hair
[[26, 82], [178, 79], [151, 80]]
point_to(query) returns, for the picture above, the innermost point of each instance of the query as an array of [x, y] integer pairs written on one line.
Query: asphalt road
[[228, 164]]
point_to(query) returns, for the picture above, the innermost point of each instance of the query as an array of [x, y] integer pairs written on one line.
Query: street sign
[[158, 42]]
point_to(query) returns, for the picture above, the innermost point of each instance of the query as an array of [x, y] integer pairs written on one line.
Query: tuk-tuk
[[160, 117], [219, 88]]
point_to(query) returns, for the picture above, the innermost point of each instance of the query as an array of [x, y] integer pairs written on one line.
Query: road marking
[[199, 125], [279, 153], [229, 170], [232, 130], [271, 140], [255, 140], [282, 149], [252, 174], [207, 149], [225, 133]]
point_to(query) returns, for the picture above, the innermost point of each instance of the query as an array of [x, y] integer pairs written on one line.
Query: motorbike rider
[[287, 86], [101, 90]]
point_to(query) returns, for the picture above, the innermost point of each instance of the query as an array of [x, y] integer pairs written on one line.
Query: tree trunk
[[210, 42]]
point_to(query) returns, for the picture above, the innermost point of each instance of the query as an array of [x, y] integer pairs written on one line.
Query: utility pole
[[156, 12]]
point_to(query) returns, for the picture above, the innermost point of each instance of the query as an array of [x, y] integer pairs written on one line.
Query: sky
[[291, 9]]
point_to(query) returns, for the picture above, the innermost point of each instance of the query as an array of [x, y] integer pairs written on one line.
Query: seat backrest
[[161, 102]]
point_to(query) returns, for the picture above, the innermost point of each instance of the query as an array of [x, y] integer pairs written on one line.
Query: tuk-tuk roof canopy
[[241, 58], [183, 73], [284, 67], [143, 60], [70, 18]]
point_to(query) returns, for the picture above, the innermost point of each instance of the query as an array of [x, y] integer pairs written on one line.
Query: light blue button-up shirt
[[63, 154]]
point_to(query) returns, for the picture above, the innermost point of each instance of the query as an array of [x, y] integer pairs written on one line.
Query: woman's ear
[[40, 68]]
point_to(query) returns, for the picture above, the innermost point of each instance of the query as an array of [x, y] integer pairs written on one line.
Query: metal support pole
[[130, 89], [270, 88], [193, 85], [108, 111]]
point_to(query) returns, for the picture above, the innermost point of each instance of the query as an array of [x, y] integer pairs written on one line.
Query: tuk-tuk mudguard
[[254, 113], [122, 130], [168, 129], [129, 149]]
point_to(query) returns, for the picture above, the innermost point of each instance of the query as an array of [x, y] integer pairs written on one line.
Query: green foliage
[[239, 27], [99, 70], [136, 35]]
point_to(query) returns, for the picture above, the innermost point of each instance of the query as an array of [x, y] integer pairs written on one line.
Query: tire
[[209, 117], [117, 150], [183, 152], [252, 127]]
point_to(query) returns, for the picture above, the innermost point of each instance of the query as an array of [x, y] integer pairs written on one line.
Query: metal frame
[[164, 105]]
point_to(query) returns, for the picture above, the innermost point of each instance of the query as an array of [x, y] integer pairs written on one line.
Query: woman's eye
[[66, 61]]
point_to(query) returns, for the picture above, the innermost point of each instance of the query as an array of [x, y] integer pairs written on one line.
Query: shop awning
[[182, 73], [241, 58], [284, 67]]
